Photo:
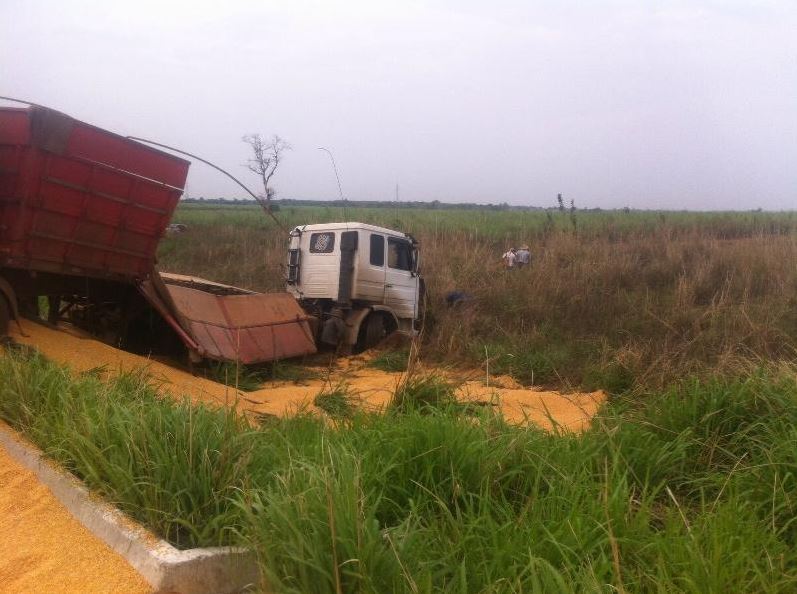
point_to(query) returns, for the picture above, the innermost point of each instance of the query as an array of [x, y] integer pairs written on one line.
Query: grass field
[[613, 299], [690, 489], [684, 482]]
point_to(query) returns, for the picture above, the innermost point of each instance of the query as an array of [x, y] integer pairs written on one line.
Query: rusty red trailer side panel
[[78, 200], [244, 326]]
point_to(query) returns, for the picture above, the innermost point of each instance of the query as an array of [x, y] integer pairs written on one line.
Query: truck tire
[[5, 315], [372, 332]]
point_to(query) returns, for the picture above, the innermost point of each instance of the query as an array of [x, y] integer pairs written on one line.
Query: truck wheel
[[372, 331], [5, 315]]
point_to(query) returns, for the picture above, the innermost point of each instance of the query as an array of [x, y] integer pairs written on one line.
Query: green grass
[[501, 224], [531, 364], [289, 371], [335, 401], [391, 361], [237, 376], [423, 393], [250, 378], [686, 490], [172, 466]]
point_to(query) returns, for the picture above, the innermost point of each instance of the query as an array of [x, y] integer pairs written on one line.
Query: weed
[[615, 378], [235, 375], [391, 361], [250, 378], [529, 364], [335, 402], [288, 371], [423, 392], [99, 371]]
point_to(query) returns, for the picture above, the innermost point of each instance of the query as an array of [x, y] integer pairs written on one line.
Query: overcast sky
[[647, 104]]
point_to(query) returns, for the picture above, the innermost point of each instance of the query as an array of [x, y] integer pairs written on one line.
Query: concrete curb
[[218, 570]]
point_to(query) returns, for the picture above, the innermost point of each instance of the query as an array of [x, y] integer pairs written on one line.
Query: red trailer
[[81, 213]]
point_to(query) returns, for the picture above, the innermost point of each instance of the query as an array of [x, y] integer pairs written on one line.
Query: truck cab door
[[401, 282], [370, 285]]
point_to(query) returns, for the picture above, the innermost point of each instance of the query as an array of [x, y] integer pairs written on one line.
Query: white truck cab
[[361, 281]]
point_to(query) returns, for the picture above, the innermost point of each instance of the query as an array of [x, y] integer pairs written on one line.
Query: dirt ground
[[43, 549], [373, 388]]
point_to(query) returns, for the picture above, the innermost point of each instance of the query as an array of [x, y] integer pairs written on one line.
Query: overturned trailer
[[82, 211]]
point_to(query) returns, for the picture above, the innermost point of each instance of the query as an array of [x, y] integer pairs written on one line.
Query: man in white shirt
[[509, 258]]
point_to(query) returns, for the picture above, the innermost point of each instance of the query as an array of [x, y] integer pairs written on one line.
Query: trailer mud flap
[[248, 328]]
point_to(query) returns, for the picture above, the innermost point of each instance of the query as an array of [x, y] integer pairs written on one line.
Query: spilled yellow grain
[[43, 549], [372, 387]]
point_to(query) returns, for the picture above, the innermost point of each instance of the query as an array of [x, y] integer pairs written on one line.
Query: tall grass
[[688, 490], [622, 299], [170, 465]]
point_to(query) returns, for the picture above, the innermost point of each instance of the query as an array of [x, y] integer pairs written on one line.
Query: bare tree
[[267, 155]]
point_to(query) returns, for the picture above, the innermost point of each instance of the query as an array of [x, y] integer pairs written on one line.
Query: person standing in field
[[509, 258], [523, 256]]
